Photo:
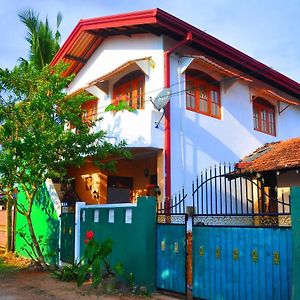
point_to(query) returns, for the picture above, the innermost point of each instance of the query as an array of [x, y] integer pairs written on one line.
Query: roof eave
[[179, 28]]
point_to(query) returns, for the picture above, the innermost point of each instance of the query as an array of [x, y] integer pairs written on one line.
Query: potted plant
[[95, 264]]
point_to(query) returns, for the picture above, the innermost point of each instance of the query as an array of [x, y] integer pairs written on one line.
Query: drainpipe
[[167, 55]]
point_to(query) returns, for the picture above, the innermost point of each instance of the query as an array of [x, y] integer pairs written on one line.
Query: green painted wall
[[134, 244], [295, 211], [45, 223]]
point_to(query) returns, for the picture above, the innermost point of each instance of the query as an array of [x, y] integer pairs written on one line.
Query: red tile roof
[[272, 157]]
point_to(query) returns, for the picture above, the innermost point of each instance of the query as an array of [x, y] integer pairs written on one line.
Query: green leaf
[[120, 106]]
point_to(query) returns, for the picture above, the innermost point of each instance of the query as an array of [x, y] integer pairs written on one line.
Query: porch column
[[295, 215]]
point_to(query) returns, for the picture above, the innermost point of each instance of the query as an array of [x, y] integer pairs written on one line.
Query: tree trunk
[[36, 245], [8, 246]]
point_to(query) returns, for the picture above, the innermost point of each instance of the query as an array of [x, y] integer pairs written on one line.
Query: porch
[[142, 175]]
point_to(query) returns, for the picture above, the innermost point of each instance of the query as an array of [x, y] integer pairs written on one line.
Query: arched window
[[130, 88], [264, 116], [203, 94]]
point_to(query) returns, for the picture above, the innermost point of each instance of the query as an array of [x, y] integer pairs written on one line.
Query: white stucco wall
[[136, 128], [197, 141], [200, 141]]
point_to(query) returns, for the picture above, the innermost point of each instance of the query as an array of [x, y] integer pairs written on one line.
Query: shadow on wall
[[46, 226], [119, 126], [207, 150]]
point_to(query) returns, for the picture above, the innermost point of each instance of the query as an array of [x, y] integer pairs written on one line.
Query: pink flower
[[89, 234]]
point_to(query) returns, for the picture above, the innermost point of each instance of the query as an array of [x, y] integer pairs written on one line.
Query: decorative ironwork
[[272, 221], [235, 254], [285, 220], [163, 246], [171, 219], [67, 209], [222, 220], [254, 255], [176, 247], [174, 205], [276, 258], [201, 251], [224, 196], [245, 220]]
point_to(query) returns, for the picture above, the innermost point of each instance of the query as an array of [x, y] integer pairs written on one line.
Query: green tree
[[35, 144], [43, 45], [43, 42]]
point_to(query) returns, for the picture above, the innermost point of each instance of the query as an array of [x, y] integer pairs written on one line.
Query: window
[[203, 94], [89, 109], [89, 113], [264, 116], [130, 88]]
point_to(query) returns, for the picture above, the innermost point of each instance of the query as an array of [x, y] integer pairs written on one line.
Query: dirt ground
[[19, 283]]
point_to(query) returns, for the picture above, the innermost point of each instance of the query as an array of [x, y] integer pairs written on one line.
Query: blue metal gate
[[171, 258], [241, 237], [171, 247], [241, 263]]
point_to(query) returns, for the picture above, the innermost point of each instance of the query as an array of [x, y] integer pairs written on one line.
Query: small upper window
[[89, 111], [264, 116], [203, 94], [130, 88]]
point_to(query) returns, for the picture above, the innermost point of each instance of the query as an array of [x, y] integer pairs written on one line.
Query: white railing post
[[78, 207]]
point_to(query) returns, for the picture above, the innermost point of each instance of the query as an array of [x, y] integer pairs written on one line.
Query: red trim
[[178, 29], [259, 107], [197, 83], [167, 54], [127, 19], [135, 86]]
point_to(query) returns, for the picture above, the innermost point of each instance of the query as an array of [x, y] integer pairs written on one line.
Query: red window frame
[[90, 111], [130, 90], [203, 97], [264, 117]]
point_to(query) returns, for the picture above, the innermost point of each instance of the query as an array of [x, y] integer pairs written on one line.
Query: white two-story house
[[197, 102]]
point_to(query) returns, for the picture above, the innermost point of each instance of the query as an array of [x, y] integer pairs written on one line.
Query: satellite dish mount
[[160, 103]]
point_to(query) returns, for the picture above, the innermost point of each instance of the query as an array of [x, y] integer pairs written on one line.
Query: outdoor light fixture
[[96, 194]]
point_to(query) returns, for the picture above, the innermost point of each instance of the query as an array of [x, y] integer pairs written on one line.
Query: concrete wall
[[45, 223], [137, 128], [133, 243]]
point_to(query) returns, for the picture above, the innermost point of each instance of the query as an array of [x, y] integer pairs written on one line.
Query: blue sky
[[267, 30]]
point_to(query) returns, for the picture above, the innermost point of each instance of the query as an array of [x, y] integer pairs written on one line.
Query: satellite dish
[[162, 99], [160, 102]]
